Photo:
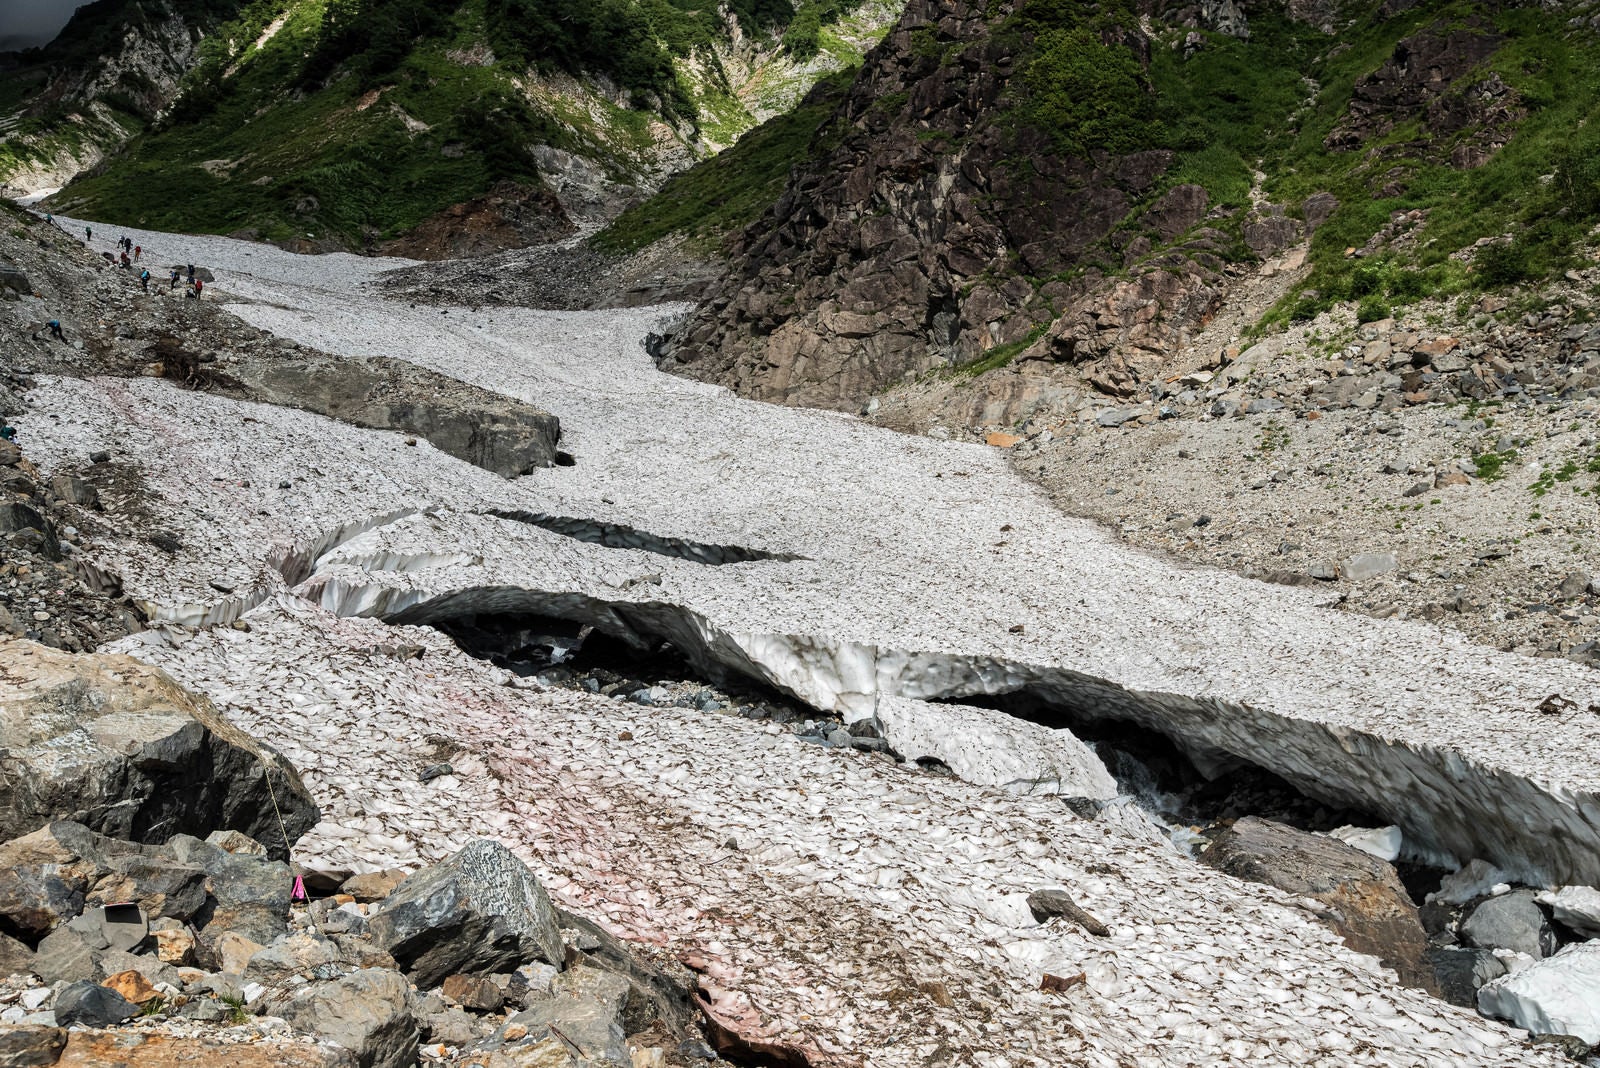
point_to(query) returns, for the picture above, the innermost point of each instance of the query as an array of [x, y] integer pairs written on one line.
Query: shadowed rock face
[[494, 432], [1367, 905], [892, 253], [116, 745]]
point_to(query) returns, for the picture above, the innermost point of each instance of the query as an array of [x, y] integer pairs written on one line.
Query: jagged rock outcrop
[[118, 746], [891, 252]]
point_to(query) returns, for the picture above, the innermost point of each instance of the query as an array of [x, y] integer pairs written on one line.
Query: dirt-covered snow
[[833, 899]]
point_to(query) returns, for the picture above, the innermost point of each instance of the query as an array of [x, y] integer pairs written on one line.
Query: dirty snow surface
[[832, 900]]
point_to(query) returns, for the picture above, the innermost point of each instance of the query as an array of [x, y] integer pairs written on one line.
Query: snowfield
[[833, 900]]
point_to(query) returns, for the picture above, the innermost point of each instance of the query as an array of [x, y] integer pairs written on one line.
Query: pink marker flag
[[299, 891]]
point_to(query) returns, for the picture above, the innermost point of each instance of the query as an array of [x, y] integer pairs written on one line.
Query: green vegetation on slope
[[1237, 106], [729, 191], [357, 120]]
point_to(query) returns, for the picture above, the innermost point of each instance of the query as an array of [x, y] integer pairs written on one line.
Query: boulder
[[1460, 972], [368, 1012], [132, 986], [585, 1010], [31, 1045], [120, 747], [1559, 995], [92, 1005], [478, 911], [473, 992], [1511, 921], [15, 957], [662, 994], [1367, 904]]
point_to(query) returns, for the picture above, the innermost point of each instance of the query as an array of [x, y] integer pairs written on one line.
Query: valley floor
[[833, 901]]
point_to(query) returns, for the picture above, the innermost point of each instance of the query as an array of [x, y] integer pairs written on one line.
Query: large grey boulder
[[586, 1010], [92, 1005], [1511, 921], [368, 1012], [479, 911], [120, 747], [498, 433], [1367, 904]]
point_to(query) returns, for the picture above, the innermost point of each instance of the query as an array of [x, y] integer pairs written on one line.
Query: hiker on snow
[[137, 250], [174, 283], [125, 261], [199, 286], [144, 280], [88, 234]]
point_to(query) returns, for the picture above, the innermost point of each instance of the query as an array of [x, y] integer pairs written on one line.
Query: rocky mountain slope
[[114, 68], [1322, 290], [437, 130], [1090, 187]]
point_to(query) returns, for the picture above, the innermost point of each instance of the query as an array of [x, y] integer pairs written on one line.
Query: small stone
[[373, 885], [1363, 566], [1045, 904], [435, 771], [1573, 586], [479, 995], [101, 457], [175, 947]]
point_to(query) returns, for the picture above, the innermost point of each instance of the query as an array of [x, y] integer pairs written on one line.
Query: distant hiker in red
[[137, 249], [125, 261], [199, 287]]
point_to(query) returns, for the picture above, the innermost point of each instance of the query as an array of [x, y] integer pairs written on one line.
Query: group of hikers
[[128, 256]]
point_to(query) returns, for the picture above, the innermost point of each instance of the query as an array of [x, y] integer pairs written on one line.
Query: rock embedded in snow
[[1559, 995], [479, 911], [118, 746], [1511, 921], [1477, 878], [1368, 905], [1576, 906], [1051, 902], [1461, 972]]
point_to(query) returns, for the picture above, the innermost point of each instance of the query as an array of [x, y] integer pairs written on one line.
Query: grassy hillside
[[729, 191], [356, 120], [1277, 103]]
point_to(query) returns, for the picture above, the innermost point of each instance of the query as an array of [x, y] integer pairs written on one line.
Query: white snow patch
[[1576, 906], [1559, 995], [1381, 842], [989, 748]]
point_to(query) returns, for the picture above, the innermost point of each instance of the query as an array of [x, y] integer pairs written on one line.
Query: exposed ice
[[1558, 995], [829, 898]]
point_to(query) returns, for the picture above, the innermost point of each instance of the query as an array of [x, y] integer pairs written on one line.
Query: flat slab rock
[[117, 745], [1368, 905]]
